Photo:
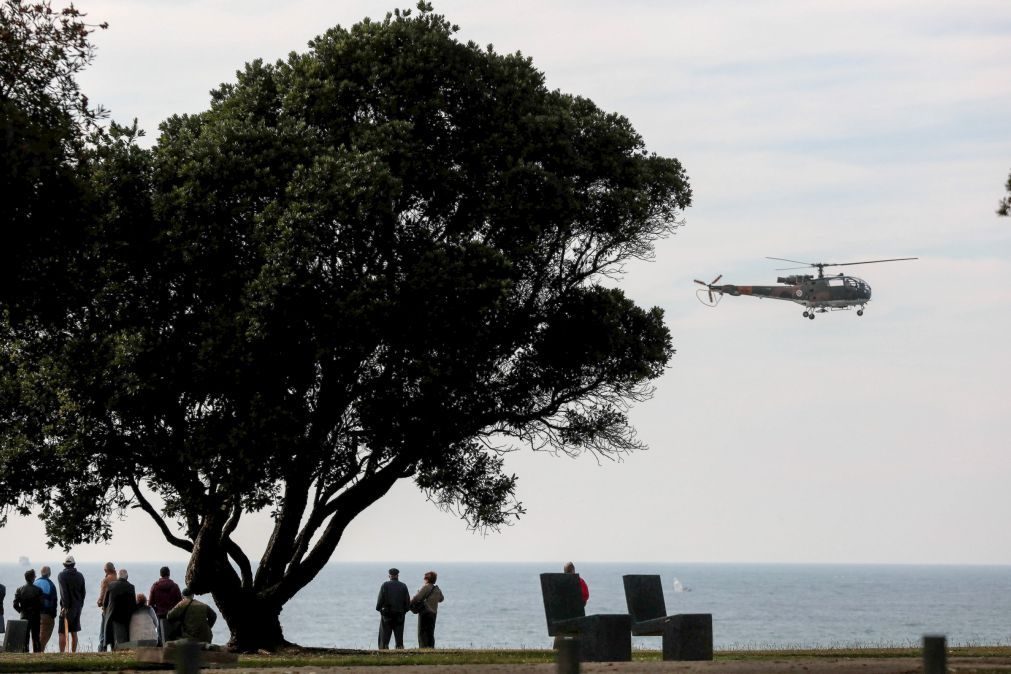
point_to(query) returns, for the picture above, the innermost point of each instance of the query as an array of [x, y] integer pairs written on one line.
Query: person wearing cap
[[194, 617], [394, 600], [50, 601], [72, 593]]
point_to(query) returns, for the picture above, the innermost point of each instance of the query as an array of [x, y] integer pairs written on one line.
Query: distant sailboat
[[24, 561], [678, 587]]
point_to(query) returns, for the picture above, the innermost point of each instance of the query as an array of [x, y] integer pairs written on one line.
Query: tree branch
[[146, 506]]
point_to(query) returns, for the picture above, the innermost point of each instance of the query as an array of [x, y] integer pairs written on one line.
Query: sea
[[754, 606]]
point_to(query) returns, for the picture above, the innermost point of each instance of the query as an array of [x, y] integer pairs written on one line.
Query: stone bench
[[134, 645], [209, 656], [686, 636], [602, 637]]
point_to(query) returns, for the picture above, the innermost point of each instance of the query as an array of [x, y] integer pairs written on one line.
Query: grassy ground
[[91, 662]]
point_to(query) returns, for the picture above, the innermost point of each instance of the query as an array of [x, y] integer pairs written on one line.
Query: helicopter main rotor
[[821, 265]]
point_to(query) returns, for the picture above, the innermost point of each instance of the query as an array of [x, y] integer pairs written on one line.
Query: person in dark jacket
[[72, 593], [392, 604], [50, 601], [164, 594], [120, 603], [3, 593], [28, 602]]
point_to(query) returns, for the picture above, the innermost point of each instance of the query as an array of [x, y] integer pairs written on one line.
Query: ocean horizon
[[759, 605]]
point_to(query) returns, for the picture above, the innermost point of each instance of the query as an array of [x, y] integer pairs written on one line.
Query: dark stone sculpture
[[602, 637], [686, 636]]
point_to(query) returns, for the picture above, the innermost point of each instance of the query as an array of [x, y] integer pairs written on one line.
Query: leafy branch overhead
[[375, 260]]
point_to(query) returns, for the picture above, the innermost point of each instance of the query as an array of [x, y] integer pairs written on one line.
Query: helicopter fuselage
[[833, 292]]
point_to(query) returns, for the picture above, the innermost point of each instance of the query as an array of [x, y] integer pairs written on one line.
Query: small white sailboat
[[678, 587], [24, 561]]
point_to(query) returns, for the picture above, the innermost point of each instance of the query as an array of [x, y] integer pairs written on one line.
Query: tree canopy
[[45, 121], [389, 257]]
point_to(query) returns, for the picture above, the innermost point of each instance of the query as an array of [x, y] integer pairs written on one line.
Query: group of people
[[395, 601], [126, 615]]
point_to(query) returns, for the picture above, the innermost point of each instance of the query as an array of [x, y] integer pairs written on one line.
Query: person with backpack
[[49, 604], [194, 618], [426, 604]]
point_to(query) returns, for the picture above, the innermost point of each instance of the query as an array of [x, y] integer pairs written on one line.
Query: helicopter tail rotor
[[709, 288]]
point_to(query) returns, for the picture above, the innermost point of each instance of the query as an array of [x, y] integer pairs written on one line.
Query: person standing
[[392, 604], [28, 602], [50, 599], [195, 618], [3, 593], [431, 595], [120, 603], [72, 593], [110, 577], [164, 594]]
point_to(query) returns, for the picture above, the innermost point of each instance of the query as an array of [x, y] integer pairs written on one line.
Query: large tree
[[390, 257]]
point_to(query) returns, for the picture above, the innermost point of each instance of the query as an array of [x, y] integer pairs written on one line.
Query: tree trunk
[[255, 624]]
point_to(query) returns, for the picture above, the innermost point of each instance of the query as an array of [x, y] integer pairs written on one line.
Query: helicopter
[[818, 294]]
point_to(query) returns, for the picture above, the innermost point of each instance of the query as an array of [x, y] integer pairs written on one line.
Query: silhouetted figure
[[392, 604], [28, 602]]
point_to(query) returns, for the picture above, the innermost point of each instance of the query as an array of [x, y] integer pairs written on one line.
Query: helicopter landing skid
[[809, 313]]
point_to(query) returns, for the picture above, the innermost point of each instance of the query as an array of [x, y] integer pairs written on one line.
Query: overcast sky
[[818, 131]]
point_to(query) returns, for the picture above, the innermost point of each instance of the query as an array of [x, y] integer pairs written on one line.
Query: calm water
[[753, 605]]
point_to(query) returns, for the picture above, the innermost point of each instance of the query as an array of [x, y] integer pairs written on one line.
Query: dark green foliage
[[373, 261], [1004, 208], [44, 120]]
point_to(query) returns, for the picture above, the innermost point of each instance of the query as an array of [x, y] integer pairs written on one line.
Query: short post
[[568, 656], [935, 654], [187, 657]]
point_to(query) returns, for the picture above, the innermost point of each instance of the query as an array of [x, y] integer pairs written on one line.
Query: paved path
[[821, 665]]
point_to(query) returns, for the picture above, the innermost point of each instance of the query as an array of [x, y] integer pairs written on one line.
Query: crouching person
[[144, 622], [195, 618]]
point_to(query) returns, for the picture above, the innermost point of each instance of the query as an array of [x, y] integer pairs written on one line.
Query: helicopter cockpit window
[[836, 281]]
